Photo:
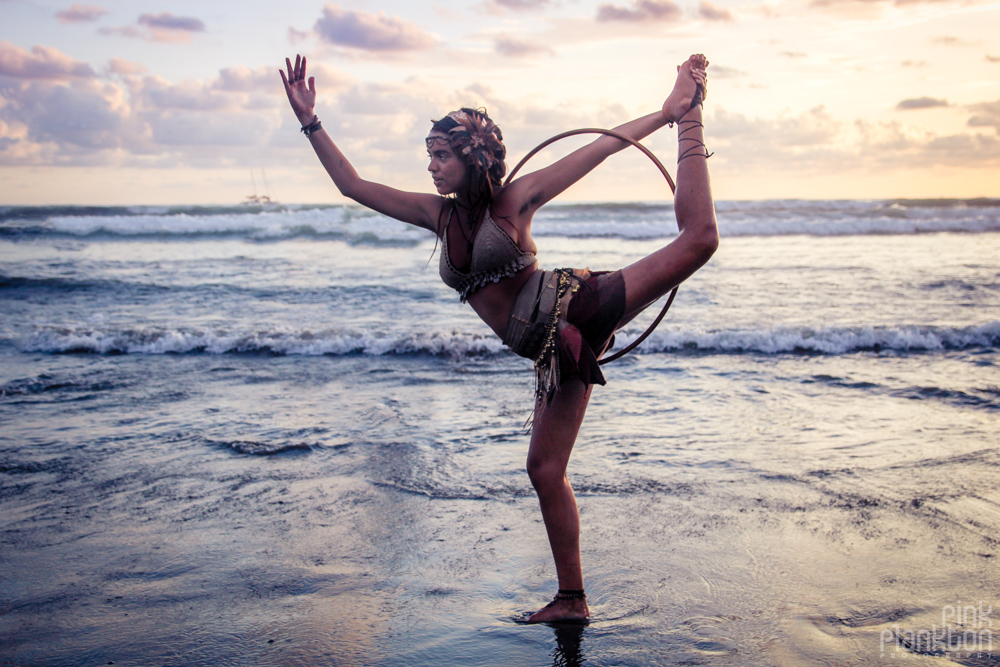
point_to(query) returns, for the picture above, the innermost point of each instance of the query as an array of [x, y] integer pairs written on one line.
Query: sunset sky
[[157, 102]]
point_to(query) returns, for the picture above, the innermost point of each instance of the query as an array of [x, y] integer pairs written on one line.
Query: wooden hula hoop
[[663, 170]]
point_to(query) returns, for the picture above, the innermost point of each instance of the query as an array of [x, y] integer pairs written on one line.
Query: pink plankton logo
[[966, 631]]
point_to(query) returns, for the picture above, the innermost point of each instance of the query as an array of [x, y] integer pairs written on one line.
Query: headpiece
[[477, 139]]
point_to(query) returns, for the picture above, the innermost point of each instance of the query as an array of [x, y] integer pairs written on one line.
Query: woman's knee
[[545, 473]]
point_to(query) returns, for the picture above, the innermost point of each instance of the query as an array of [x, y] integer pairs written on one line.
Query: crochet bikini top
[[494, 256]]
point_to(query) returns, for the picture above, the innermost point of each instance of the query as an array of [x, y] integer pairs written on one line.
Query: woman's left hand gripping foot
[[690, 88]]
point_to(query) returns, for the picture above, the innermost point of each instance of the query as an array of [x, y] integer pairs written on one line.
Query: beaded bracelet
[[314, 126]]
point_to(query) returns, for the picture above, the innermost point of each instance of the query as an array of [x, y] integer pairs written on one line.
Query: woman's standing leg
[[552, 437]]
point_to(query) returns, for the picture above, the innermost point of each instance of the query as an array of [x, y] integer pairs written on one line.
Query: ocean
[[272, 436]]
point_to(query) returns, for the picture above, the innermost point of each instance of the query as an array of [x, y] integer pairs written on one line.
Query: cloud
[[143, 119], [167, 21], [43, 62], [897, 3], [125, 31], [988, 115], [163, 27], [125, 67], [816, 142], [948, 40], [243, 79], [794, 54], [710, 12], [371, 32], [640, 11], [83, 114], [81, 14], [296, 36], [921, 103], [962, 149], [992, 59], [519, 48], [192, 129], [385, 99], [723, 72], [875, 9], [158, 94], [521, 4]]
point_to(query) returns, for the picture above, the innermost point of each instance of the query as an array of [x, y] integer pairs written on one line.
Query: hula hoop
[[663, 170]]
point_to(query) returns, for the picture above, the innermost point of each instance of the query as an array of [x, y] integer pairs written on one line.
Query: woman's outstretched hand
[[301, 96]]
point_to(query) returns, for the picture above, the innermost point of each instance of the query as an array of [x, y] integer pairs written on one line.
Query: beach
[[245, 436]]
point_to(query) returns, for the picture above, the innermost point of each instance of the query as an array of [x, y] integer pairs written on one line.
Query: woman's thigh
[[557, 424], [656, 274]]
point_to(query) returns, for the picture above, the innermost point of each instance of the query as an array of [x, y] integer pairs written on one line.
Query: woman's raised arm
[[416, 208], [537, 188]]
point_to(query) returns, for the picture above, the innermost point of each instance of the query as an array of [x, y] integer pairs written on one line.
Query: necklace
[[471, 223]]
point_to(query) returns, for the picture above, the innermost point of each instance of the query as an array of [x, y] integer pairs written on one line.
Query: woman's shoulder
[[510, 204], [513, 216]]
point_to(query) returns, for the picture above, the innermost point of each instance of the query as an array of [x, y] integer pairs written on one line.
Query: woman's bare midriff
[[494, 301]]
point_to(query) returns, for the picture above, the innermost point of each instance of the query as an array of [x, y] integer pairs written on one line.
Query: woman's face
[[448, 171]]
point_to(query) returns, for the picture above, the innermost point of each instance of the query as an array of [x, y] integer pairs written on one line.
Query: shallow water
[[221, 451]]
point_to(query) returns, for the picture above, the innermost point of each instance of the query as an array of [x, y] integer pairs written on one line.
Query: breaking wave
[[636, 221], [790, 340]]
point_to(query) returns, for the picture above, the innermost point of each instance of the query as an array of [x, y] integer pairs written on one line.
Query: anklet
[[564, 594], [693, 123], [694, 150]]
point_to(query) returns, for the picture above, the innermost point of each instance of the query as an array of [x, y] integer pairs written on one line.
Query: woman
[[564, 319]]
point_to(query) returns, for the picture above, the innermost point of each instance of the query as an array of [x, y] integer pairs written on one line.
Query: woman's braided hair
[[478, 141]]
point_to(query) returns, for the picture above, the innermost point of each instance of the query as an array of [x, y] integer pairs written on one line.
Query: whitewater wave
[[635, 221], [350, 224], [832, 340], [158, 340], [791, 340]]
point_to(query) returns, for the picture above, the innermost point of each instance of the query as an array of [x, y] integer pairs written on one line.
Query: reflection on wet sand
[[569, 646]]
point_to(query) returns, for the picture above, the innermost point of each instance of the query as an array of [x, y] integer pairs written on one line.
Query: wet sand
[[202, 551]]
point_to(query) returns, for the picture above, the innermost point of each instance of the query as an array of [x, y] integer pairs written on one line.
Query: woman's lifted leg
[[655, 275]]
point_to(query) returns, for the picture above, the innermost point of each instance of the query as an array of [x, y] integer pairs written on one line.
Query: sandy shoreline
[[738, 570]]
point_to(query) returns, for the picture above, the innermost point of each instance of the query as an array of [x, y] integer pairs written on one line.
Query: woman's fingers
[[296, 73]]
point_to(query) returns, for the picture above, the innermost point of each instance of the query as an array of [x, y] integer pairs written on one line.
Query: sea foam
[[636, 221], [781, 340]]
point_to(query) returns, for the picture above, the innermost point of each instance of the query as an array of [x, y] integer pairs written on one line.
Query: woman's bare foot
[[690, 76], [562, 611]]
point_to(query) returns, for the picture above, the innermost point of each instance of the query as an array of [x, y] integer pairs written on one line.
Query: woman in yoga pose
[[562, 319]]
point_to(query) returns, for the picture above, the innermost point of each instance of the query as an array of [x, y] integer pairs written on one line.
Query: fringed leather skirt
[[563, 320]]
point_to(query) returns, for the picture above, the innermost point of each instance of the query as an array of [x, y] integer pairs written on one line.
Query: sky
[[166, 102]]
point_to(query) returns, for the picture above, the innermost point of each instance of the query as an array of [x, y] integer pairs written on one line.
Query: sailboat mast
[[267, 186]]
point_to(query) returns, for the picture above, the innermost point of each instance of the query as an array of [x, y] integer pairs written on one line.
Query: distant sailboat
[[260, 200]]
